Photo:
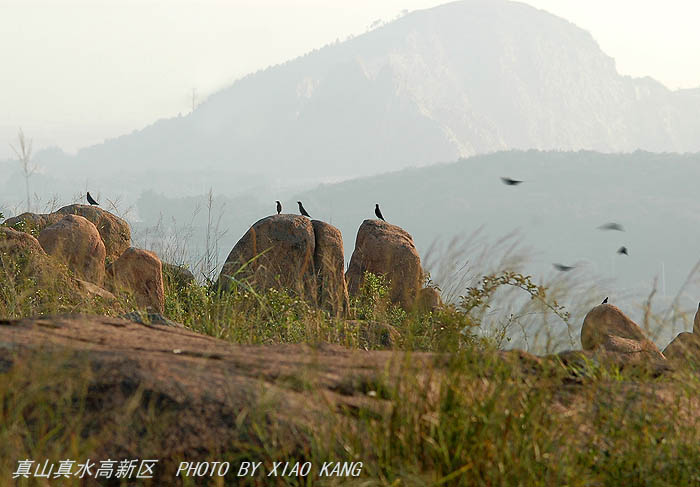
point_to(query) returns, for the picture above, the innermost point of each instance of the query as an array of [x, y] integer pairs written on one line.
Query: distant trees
[[23, 151]]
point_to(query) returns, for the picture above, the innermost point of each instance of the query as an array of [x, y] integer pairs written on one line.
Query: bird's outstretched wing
[[563, 268], [612, 226], [511, 182]]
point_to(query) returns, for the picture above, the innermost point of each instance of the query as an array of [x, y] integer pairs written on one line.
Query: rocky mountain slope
[[464, 78]]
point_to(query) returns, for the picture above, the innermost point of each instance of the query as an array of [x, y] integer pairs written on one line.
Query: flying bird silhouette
[[279, 207], [563, 268], [605, 301], [378, 212], [612, 226], [510, 182], [302, 210], [623, 250], [91, 200]]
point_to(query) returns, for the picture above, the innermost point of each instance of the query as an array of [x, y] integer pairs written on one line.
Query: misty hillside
[[464, 78], [556, 211]]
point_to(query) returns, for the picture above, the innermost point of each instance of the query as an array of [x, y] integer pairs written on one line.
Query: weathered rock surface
[[115, 232], [383, 248], [606, 327], [329, 263], [139, 273], [92, 290], [200, 386], [685, 347], [194, 397], [76, 242], [276, 252]]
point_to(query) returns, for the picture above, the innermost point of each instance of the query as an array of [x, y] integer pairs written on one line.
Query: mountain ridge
[[460, 79]]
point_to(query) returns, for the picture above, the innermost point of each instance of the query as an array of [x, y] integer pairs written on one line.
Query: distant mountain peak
[[463, 78]]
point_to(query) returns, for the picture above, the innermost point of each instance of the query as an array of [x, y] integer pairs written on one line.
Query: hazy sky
[[75, 72]]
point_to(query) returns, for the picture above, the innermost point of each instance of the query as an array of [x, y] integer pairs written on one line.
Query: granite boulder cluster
[[95, 246]]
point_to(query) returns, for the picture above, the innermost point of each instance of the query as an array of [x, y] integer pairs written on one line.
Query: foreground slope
[[93, 388]]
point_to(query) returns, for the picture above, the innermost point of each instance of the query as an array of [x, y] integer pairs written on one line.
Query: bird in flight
[[378, 212], [510, 182], [279, 207], [302, 210], [91, 200], [605, 301], [623, 250], [563, 268], [612, 226]]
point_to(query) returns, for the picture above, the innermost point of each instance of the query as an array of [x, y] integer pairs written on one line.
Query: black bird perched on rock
[[279, 207], [302, 210], [563, 268], [378, 212], [612, 226], [605, 301], [91, 199], [623, 250], [510, 182]]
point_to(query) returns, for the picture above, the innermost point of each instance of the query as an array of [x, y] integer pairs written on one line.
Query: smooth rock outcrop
[[75, 241], [385, 249], [607, 328], [329, 263], [276, 252], [140, 273], [115, 232]]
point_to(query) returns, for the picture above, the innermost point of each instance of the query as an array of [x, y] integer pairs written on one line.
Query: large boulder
[[115, 232], [14, 242], [329, 262], [696, 322], [32, 223], [276, 252], [27, 271], [685, 347], [385, 249], [22, 258], [607, 328], [76, 242], [139, 273]]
